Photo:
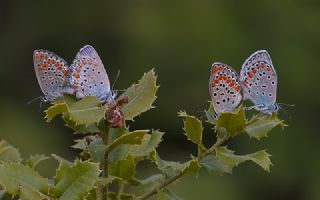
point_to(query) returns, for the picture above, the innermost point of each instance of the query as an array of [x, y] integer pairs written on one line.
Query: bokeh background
[[180, 39]]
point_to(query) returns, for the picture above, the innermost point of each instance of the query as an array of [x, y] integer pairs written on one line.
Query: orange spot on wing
[[65, 72], [232, 84], [77, 75], [250, 75], [254, 71], [217, 69], [238, 88]]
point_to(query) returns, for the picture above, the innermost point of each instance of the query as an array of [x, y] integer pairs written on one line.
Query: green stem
[[179, 175], [120, 189], [102, 191]]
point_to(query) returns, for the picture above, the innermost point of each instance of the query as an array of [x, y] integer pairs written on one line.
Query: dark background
[[180, 39]]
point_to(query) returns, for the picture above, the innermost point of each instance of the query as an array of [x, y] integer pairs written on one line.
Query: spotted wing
[[224, 88], [259, 79], [51, 72], [89, 76]]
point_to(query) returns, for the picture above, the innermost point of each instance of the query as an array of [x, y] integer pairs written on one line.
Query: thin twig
[[179, 175]]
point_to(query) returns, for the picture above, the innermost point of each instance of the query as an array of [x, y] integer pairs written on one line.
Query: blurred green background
[[180, 39]]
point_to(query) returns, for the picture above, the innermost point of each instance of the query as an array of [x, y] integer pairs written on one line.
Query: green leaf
[[84, 142], [119, 153], [83, 129], [87, 111], [214, 165], [134, 137], [150, 143], [192, 166], [259, 127], [55, 110], [147, 184], [28, 193], [14, 176], [74, 182], [233, 122], [141, 96], [210, 114], [97, 149], [114, 133], [34, 160], [62, 160], [8, 153], [193, 128], [262, 158], [166, 194], [124, 169], [169, 168]]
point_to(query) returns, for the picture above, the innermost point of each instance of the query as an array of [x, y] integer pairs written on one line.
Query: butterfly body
[[224, 88], [259, 82]]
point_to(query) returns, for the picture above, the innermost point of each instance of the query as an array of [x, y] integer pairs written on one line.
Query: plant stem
[[179, 175], [102, 191], [120, 189]]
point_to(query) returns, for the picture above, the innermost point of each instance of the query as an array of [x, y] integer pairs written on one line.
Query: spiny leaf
[[28, 193], [97, 149], [210, 114], [15, 175], [84, 142], [191, 166], [9, 153], [83, 129], [119, 153], [193, 128], [55, 110], [124, 169], [141, 96], [74, 182], [87, 111], [134, 137], [114, 133], [150, 143], [262, 158], [214, 165], [259, 127], [34, 160], [170, 168], [233, 122], [62, 160]]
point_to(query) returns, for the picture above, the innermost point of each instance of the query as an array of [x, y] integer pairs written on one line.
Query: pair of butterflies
[[258, 81], [86, 76]]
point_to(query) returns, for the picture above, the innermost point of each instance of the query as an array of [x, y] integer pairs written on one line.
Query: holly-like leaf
[[233, 122], [87, 111], [140, 95], [124, 169], [259, 127], [8, 153], [262, 158], [214, 165], [34, 160], [97, 149], [83, 143], [210, 114], [15, 175], [150, 143], [193, 128], [28, 193], [134, 137], [170, 168], [74, 182], [55, 110], [114, 133], [119, 153], [82, 129], [191, 166]]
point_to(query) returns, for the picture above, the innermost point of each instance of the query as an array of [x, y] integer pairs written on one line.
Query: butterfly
[[224, 88], [89, 77], [85, 77], [259, 82], [52, 73]]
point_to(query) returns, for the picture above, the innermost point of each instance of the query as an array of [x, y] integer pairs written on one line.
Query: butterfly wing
[[224, 88], [89, 76], [259, 79], [51, 71]]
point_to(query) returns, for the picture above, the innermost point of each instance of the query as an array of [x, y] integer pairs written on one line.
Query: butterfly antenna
[[115, 80], [33, 100]]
